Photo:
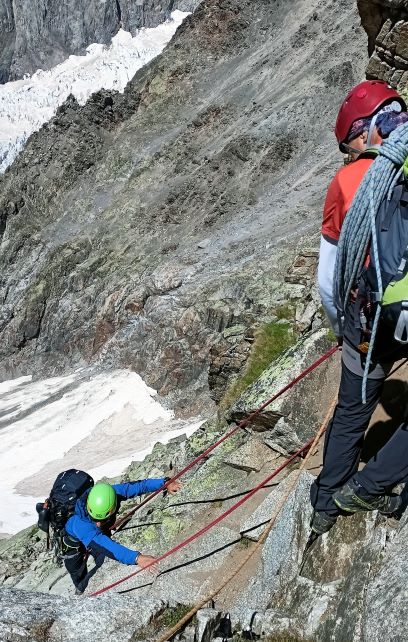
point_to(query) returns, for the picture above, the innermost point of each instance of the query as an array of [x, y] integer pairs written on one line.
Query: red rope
[[207, 527], [241, 424], [244, 499]]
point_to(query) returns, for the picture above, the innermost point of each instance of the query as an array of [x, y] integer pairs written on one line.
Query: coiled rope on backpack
[[359, 228]]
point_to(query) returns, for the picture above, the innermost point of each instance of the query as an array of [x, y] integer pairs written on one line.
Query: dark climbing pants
[[77, 568], [344, 441], [76, 557]]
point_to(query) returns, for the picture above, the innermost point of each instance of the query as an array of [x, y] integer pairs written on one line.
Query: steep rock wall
[[43, 33], [138, 228], [351, 575], [386, 24]]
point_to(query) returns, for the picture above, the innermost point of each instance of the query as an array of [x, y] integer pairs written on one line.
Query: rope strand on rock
[[174, 629], [211, 524], [308, 447], [242, 424]]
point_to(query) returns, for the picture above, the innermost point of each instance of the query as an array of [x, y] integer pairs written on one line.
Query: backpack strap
[[398, 198], [402, 265], [370, 152], [404, 260], [393, 204]]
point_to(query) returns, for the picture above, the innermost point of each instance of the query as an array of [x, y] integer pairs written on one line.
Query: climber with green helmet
[[88, 530]]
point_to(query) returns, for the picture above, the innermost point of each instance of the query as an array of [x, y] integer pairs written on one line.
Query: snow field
[[25, 105], [97, 422]]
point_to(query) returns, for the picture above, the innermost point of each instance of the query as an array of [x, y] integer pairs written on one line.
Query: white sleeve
[[325, 275]]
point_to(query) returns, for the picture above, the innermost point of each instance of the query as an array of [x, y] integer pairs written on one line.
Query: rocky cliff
[[43, 33], [385, 22], [156, 230], [351, 587], [139, 228]]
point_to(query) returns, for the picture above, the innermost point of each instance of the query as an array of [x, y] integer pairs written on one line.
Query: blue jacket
[[83, 528]]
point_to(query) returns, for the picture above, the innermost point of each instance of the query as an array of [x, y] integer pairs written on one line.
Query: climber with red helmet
[[369, 113]]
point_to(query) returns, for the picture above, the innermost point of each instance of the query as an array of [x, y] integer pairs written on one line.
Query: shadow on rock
[[393, 401]]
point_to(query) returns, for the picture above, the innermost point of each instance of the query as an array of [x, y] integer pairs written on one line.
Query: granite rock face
[[34, 617], [386, 24], [353, 573], [42, 33], [102, 215], [351, 587]]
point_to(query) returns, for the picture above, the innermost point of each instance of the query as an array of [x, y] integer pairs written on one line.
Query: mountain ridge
[[42, 34], [135, 231]]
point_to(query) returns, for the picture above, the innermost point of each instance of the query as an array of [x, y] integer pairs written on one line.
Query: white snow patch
[[111, 468], [97, 422], [27, 104]]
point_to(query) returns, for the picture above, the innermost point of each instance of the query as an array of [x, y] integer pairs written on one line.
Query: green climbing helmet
[[101, 502]]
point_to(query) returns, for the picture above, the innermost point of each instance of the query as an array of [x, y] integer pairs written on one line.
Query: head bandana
[[391, 115], [358, 127], [388, 121]]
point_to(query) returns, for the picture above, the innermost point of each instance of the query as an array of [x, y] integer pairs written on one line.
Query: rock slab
[[251, 456]]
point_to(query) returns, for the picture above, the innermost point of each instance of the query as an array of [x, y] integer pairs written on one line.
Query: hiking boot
[[353, 498], [78, 591], [322, 522]]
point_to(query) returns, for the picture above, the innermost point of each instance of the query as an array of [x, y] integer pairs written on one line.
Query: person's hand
[[145, 560], [173, 487]]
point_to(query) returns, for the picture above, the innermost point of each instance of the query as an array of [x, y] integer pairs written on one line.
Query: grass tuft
[[269, 342], [40, 631], [245, 542], [331, 336], [286, 311], [279, 637], [168, 618]]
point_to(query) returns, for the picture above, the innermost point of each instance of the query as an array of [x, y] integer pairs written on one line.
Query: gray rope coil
[[358, 232]]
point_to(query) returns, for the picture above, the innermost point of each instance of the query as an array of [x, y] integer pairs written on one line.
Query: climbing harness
[[242, 424], [360, 234]]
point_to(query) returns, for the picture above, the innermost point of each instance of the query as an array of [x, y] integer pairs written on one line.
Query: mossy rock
[[319, 388], [270, 341]]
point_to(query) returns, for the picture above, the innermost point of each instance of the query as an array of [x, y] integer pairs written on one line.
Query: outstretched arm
[[133, 489], [101, 543]]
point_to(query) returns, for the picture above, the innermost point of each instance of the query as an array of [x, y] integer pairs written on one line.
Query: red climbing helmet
[[361, 102]]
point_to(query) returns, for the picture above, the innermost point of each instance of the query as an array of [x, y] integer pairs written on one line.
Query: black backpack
[[67, 488], [60, 505], [392, 241], [58, 508]]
